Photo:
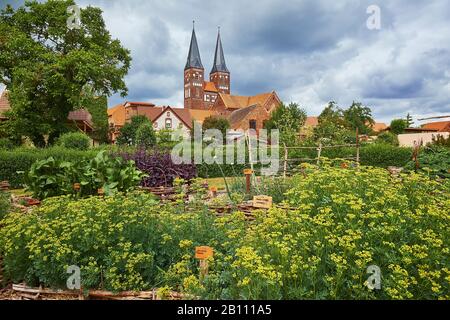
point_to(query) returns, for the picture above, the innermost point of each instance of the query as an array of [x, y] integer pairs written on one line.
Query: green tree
[[409, 121], [387, 138], [359, 117], [128, 132], [288, 119], [398, 126], [145, 136], [332, 125], [46, 65], [219, 123]]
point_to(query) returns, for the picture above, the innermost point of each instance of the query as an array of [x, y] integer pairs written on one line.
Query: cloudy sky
[[310, 52]]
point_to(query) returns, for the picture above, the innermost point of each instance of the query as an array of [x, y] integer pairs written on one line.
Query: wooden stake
[[319, 152], [248, 183]]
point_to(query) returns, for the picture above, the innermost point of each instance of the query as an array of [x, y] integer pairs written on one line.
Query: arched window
[[168, 123]]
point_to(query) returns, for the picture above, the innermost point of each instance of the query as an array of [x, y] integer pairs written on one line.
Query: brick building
[[202, 99], [215, 95]]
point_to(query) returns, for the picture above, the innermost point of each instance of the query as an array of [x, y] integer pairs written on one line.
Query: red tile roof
[[441, 126], [312, 121], [209, 86]]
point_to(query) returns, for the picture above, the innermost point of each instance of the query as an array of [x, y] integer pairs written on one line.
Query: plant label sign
[[263, 202], [203, 253]]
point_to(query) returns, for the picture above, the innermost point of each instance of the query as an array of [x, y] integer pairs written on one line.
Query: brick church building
[[202, 99], [215, 96]]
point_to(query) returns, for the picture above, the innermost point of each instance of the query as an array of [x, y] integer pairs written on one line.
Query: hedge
[[21, 159], [376, 155]]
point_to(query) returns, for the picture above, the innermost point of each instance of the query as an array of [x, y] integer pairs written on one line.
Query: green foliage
[[398, 126], [74, 140], [49, 177], [219, 123], [384, 155], [120, 243], [128, 132], [441, 141], [21, 159], [48, 67], [359, 117], [5, 203], [341, 222], [98, 108], [387, 138], [434, 161], [6, 144], [337, 126], [288, 119], [145, 136], [164, 139]]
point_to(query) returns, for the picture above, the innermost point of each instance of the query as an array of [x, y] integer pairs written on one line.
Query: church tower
[[219, 73], [193, 77]]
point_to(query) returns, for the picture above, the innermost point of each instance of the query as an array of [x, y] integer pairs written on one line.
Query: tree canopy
[[288, 119], [128, 133], [51, 69]]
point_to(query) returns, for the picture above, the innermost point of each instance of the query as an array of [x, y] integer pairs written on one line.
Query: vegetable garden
[[315, 242]]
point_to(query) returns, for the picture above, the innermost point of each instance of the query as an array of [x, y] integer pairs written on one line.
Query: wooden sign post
[[248, 175], [202, 254], [213, 190], [262, 202]]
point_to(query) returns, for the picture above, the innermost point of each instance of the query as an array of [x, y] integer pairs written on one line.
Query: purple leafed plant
[[160, 168]]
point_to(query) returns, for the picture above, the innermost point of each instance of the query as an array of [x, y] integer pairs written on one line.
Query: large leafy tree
[[288, 119], [128, 133], [47, 66], [219, 123], [332, 125], [359, 117]]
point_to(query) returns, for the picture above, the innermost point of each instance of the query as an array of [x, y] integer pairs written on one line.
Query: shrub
[[145, 136], [434, 161], [160, 169], [5, 203], [49, 177], [74, 140], [398, 126], [387, 138], [6, 144], [128, 132], [384, 155], [21, 159]]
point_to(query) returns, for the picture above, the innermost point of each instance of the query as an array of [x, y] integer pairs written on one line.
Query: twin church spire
[[198, 92], [194, 60]]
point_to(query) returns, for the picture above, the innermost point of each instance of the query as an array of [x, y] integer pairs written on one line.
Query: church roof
[[237, 115], [219, 58], [209, 86], [200, 115], [238, 102], [194, 60]]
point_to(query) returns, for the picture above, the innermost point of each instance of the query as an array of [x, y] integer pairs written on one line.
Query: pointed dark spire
[[194, 60], [219, 57]]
